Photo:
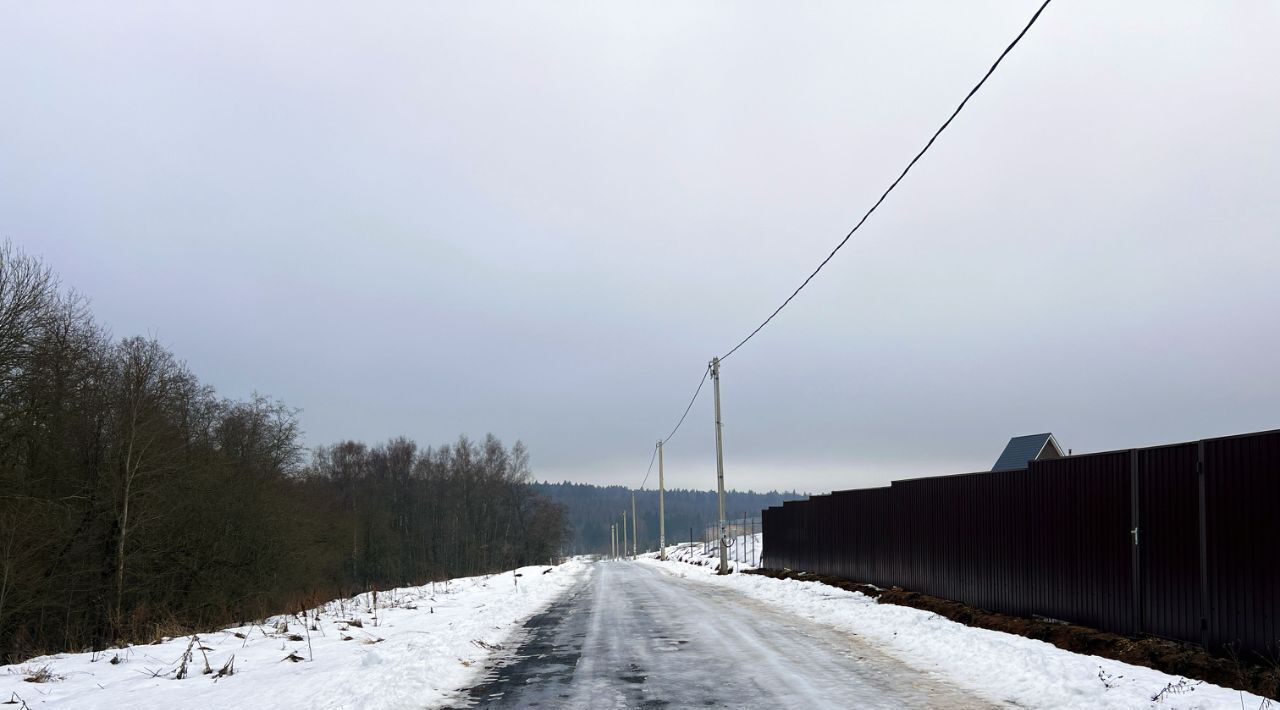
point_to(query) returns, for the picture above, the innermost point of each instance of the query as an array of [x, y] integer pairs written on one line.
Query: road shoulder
[[1001, 668]]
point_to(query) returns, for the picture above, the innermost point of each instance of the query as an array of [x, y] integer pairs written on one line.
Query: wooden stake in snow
[[311, 656]]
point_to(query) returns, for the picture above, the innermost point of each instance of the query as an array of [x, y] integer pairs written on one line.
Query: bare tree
[[148, 379]]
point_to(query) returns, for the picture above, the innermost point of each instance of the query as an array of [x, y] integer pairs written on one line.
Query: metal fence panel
[[1242, 541], [1169, 541], [1081, 554]]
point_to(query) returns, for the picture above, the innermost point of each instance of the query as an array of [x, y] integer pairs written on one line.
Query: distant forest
[[591, 509], [135, 502]]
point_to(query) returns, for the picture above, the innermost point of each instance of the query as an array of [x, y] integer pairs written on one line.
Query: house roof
[[1022, 449]]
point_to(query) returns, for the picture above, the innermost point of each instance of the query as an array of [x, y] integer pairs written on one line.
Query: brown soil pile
[[1174, 657]]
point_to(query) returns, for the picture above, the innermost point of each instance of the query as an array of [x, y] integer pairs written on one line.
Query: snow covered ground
[[744, 553], [425, 645], [1003, 668], [417, 650]]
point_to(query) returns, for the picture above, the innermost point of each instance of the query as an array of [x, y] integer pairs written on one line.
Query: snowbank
[[414, 649], [1001, 667], [744, 552]]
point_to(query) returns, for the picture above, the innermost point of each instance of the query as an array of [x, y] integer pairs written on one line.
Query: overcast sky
[[541, 220]]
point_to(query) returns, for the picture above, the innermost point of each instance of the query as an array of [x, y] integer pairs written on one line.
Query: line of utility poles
[[662, 509]]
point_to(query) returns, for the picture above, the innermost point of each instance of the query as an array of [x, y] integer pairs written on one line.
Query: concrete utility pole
[[635, 539], [613, 541], [724, 543], [624, 532], [662, 509]]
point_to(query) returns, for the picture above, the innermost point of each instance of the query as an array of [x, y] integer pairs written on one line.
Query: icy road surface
[[628, 636]]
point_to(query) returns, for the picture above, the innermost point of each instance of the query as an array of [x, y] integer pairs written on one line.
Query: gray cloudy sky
[[542, 219]]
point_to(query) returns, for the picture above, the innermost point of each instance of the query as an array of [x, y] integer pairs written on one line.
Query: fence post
[[1204, 548], [1135, 530]]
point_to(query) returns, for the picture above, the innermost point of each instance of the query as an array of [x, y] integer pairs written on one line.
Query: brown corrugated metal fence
[[1176, 541]]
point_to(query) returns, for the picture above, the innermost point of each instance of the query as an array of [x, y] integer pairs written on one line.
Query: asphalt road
[[629, 636]]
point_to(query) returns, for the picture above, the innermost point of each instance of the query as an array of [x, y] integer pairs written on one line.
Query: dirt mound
[[1178, 658]]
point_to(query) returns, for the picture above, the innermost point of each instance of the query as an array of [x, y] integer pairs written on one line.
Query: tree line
[[592, 509], [136, 502]]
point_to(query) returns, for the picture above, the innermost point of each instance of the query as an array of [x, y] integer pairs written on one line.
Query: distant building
[[1022, 449]]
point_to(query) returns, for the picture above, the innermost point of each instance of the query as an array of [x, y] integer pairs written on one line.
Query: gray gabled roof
[[1022, 449]]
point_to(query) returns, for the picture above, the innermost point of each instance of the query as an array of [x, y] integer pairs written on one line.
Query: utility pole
[[635, 539], [724, 544], [624, 532], [662, 509], [613, 541]]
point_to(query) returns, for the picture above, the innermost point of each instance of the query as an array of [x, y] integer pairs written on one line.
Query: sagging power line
[[714, 367], [651, 460], [692, 399], [897, 180]]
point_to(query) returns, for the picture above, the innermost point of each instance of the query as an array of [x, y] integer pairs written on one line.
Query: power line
[[905, 170], [646, 473], [856, 227], [692, 399]]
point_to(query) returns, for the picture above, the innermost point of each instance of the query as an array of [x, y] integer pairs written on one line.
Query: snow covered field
[[419, 647], [1000, 667]]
